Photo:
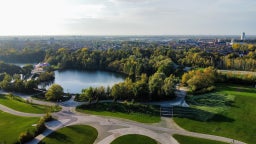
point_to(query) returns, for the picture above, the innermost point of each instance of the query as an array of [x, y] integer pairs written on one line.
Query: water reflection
[[73, 81]]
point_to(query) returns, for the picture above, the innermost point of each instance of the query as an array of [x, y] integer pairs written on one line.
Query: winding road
[[110, 128]]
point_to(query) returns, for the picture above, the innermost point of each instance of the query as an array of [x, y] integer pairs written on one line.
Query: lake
[[73, 81]]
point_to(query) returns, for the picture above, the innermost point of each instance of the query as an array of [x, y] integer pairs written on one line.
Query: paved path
[[14, 112], [110, 128]]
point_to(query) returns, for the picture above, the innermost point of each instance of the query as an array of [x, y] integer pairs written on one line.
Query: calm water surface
[[73, 81]]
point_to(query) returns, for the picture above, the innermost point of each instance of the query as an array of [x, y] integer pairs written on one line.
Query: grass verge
[[192, 140], [11, 126], [234, 118], [136, 112], [76, 134], [19, 104], [134, 139]]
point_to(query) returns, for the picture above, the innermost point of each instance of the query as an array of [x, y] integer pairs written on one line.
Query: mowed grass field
[[11, 126], [134, 139], [234, 118], [21, 105], [136, 112], [76, 134], [192, 140]]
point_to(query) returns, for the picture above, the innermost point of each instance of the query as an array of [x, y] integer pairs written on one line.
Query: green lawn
[[19, 104], [192, 140], [234, 116], [11, 126], [76, 134], [134, 139], [136, 112]]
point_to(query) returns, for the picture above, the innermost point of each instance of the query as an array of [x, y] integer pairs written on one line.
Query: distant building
[[40, 68], [243, 36]]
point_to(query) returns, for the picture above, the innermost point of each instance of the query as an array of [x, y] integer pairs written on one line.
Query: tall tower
[[243, 36]]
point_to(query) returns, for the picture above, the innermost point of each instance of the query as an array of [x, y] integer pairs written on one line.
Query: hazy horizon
[[127, 17]]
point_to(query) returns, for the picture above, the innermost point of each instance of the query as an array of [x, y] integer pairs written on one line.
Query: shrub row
[[40, 127], [125, 107]]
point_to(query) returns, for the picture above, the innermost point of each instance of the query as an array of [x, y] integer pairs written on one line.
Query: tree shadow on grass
[[211, 100], [231, 104], [58, 137], [220, 118], [199, 115]]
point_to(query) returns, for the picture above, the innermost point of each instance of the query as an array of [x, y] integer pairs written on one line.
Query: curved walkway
[[110, 128], [18, 113]]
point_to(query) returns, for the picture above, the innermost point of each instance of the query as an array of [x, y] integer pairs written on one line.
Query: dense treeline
[[135, 61], [132, 62], [15, 78], [156, 87], [15, 83], [156, 63], [243, 58], [10, 69], [21, 56]]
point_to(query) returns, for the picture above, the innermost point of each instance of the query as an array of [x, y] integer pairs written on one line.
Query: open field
[[231, 113], [76, 134], [134, 139], [192, 140], [135, 112], [237, 72], [19, 104], [11, 126]]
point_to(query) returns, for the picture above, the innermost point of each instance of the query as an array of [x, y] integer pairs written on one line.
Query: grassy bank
[[19, 104], [76, 134], [192, 140], [234, 116], [11, 126], [135, 112], [134, 139]]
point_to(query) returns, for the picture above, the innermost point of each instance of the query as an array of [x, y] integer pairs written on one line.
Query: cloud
[[127, 16]]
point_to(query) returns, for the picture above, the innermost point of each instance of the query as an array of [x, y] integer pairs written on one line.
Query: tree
[[99, 93], [156, 83], [55, 92], [200, 80], [88, 94], [166, 67], [169, 86], [116, 92], [140, 88]]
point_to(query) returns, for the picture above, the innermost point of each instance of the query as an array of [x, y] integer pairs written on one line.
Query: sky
[[127, 17]]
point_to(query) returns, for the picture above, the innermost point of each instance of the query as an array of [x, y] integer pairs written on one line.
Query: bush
[[123, 108], [48, 117], [25, 137], [40, 128], [205, 90]]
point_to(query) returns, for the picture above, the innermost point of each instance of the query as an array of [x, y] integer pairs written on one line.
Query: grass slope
[[192, 140], [236, 118], [136, 112], [134, 139], [11, 126], [19, 104], [76, 134]]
